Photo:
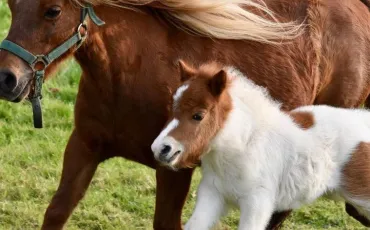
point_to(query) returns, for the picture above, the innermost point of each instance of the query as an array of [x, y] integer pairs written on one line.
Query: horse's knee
[[277, 220], [54, 218], [367, 102]]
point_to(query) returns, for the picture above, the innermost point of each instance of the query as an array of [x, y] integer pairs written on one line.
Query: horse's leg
[[277, 220], [352, 211], [78, 169], [367, 102], [172, 189]]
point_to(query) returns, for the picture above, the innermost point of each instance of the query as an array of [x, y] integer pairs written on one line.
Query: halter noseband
[[46, 59]]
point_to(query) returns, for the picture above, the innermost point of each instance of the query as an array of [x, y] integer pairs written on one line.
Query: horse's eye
[[53, 12], [198, 117]]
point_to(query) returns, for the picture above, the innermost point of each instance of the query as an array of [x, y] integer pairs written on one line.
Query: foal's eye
[[198, 117], [53, 12]]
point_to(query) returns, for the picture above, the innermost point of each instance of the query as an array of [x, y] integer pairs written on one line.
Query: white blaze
[[157, 144], [164, 140]]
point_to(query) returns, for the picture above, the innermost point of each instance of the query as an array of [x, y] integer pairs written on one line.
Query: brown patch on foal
[[356, 173], [304, 119]]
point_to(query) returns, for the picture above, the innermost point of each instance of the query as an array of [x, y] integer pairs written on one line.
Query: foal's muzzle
[[167, 150]]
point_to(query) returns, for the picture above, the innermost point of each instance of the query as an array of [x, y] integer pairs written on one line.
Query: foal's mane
[[220, 19]]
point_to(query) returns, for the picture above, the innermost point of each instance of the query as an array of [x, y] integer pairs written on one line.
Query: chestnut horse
[[258, 158], [125, 90]]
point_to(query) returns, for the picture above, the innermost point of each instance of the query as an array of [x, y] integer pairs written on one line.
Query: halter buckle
[[40, 59]]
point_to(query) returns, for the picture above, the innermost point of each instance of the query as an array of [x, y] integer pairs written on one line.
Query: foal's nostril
[[165, 150], [8, 81]]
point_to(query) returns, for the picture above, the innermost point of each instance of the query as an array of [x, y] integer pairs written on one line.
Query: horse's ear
[[217, 84], [186, 72]]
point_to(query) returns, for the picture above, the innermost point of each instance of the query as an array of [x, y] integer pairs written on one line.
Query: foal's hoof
[[352, 211]]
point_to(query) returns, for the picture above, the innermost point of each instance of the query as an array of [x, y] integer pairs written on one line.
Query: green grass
[[122, 193]]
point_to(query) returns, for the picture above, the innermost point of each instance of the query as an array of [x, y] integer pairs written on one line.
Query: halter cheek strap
[[46, 59]]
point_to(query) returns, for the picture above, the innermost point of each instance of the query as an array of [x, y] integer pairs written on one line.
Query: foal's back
[[345, 135], [342, 128]]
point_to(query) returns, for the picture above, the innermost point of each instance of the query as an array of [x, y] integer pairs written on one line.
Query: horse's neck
[[120, 45], [127, 78]]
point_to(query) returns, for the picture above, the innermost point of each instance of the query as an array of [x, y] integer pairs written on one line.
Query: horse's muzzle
[[11, 89]]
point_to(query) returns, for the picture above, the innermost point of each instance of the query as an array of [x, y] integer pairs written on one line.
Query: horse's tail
[[366, 2]]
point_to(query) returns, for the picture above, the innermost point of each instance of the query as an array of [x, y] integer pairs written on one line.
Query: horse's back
[[340, 31], [284, 69], [327, 64]]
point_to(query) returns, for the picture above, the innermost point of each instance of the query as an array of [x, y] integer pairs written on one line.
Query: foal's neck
[[255, 114], [254, 102]]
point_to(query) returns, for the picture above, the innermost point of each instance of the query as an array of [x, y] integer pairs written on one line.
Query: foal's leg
[[172, 189], [255, 210], [209, 208], [78, 169]]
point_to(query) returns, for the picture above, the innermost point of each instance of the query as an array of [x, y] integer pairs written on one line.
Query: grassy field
[[122, 193]]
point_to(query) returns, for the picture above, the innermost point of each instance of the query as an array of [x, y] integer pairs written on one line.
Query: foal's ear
[[186, 72], [217, 84]]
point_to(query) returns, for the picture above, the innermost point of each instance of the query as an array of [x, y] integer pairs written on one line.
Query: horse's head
[[200, 108], [38, 26]]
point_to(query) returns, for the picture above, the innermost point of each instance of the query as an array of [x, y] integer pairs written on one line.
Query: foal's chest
[[230, 182]]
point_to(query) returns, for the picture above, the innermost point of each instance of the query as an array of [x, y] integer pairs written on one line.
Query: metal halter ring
[[82, 36], [39, 59]]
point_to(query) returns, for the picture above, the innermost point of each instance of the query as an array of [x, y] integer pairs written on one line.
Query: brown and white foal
[[257, 157]]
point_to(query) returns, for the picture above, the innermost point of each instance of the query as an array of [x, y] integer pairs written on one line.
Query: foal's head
[[200, 107]]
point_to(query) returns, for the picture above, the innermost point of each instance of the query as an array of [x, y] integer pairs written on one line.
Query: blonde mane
[[220, 19]]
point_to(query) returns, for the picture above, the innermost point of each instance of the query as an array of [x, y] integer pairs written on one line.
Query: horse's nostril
[[165, 150], [8, 81]]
